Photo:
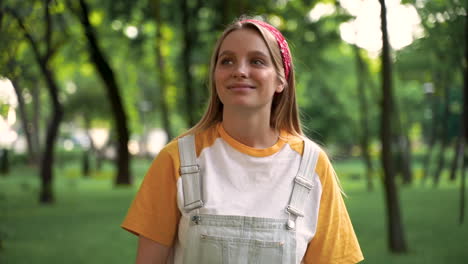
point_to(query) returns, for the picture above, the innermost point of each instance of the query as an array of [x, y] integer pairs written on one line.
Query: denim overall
[[231, 239]]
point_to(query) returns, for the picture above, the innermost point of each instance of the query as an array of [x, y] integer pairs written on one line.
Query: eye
[[225, 61], [258, 62]]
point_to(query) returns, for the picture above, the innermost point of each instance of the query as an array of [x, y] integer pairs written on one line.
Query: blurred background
[[90, 91]]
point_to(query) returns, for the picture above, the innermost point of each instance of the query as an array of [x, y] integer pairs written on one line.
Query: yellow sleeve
[[154, 212], [334, 241]]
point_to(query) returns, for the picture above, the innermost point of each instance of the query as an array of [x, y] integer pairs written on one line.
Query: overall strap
[[303, 183], [190, 173]]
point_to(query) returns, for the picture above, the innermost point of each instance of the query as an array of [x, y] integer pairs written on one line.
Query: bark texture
[[107, 75], [396, 237]]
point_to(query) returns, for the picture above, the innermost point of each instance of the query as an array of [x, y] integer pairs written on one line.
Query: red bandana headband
[[283, 45]]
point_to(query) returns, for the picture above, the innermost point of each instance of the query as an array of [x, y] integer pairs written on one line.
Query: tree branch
[[27, 34], [48, 28], [1, 18]]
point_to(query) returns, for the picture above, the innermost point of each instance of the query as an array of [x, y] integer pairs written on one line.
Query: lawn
[[83, 225]]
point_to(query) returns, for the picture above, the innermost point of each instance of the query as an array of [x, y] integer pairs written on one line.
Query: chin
[[244, 106]]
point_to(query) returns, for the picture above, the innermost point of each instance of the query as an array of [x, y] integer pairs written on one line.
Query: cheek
[[269, 78], [218, 82], [217, 79], [220, 74]]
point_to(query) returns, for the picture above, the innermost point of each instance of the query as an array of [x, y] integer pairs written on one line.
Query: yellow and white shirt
[[240, 180]]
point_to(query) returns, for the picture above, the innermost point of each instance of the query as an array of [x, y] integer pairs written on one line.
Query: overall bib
[[227, 239]]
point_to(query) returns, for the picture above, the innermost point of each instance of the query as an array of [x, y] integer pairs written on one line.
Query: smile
[[240, 86]]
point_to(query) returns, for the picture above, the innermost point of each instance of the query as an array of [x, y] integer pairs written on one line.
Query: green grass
[[82, 226], [431, 226]]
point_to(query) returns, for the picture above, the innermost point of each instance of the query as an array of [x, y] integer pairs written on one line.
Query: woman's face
[[244, 75]]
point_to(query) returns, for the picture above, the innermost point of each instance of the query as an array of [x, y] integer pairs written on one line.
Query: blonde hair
[[284, 110]]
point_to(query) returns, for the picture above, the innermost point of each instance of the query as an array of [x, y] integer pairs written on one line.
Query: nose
[[240, 70]]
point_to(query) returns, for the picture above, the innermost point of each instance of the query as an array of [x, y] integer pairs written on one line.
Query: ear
[[279, 87]]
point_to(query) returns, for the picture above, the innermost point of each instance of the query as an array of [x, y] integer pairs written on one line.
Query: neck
[[250, 128]]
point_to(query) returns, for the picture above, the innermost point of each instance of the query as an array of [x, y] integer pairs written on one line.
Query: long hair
[[284, 110]]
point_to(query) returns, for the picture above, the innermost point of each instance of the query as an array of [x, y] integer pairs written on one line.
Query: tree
[[107, 75], [443, 22], [83, 107], [402, 152], [14, 69], [189, 33], [464, 130], [32, 148], [364, 136], [396, 238], [43, 59], [161, 64]]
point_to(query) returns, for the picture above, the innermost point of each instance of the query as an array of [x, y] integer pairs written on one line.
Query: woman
[[244, 185]]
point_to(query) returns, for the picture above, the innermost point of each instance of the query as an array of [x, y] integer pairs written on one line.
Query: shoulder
[[165, 162], [203, 139], [297, 144], [171, 149], [323, 166], [206, 138]]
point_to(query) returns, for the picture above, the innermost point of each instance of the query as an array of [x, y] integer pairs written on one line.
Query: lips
[[240, 86]]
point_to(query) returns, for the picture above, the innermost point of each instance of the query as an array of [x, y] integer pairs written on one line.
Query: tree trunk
[[403, 149], [364, 135], [36, 135], [465, 91], [458, 153], [464, 128], [32, 151], [395, 227], [463, 168], [440, 159], [4, 163], [1, 24], [112, 89], [162, 71], [86, 168], [86, 163], [407, 158], [99, 159], [188, 40], [427, 161], [443, 131], [430, 149], [47, 162], [431, 138]]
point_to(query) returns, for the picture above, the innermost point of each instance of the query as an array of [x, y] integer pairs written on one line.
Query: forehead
[[245, 39]]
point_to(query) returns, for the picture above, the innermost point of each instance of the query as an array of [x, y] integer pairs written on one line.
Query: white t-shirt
[[240, 180]]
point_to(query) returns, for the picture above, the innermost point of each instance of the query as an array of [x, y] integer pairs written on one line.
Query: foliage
[[325, 68], [436, 58]]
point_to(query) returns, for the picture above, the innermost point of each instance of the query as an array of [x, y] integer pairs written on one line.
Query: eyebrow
[[256, 52]]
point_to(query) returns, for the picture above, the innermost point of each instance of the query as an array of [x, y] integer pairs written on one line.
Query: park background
[[91, 90]]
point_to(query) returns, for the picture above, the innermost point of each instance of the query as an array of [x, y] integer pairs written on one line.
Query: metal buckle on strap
[[189, 169], [194, 205], [294, 211], [291, 224], [303, 182]]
